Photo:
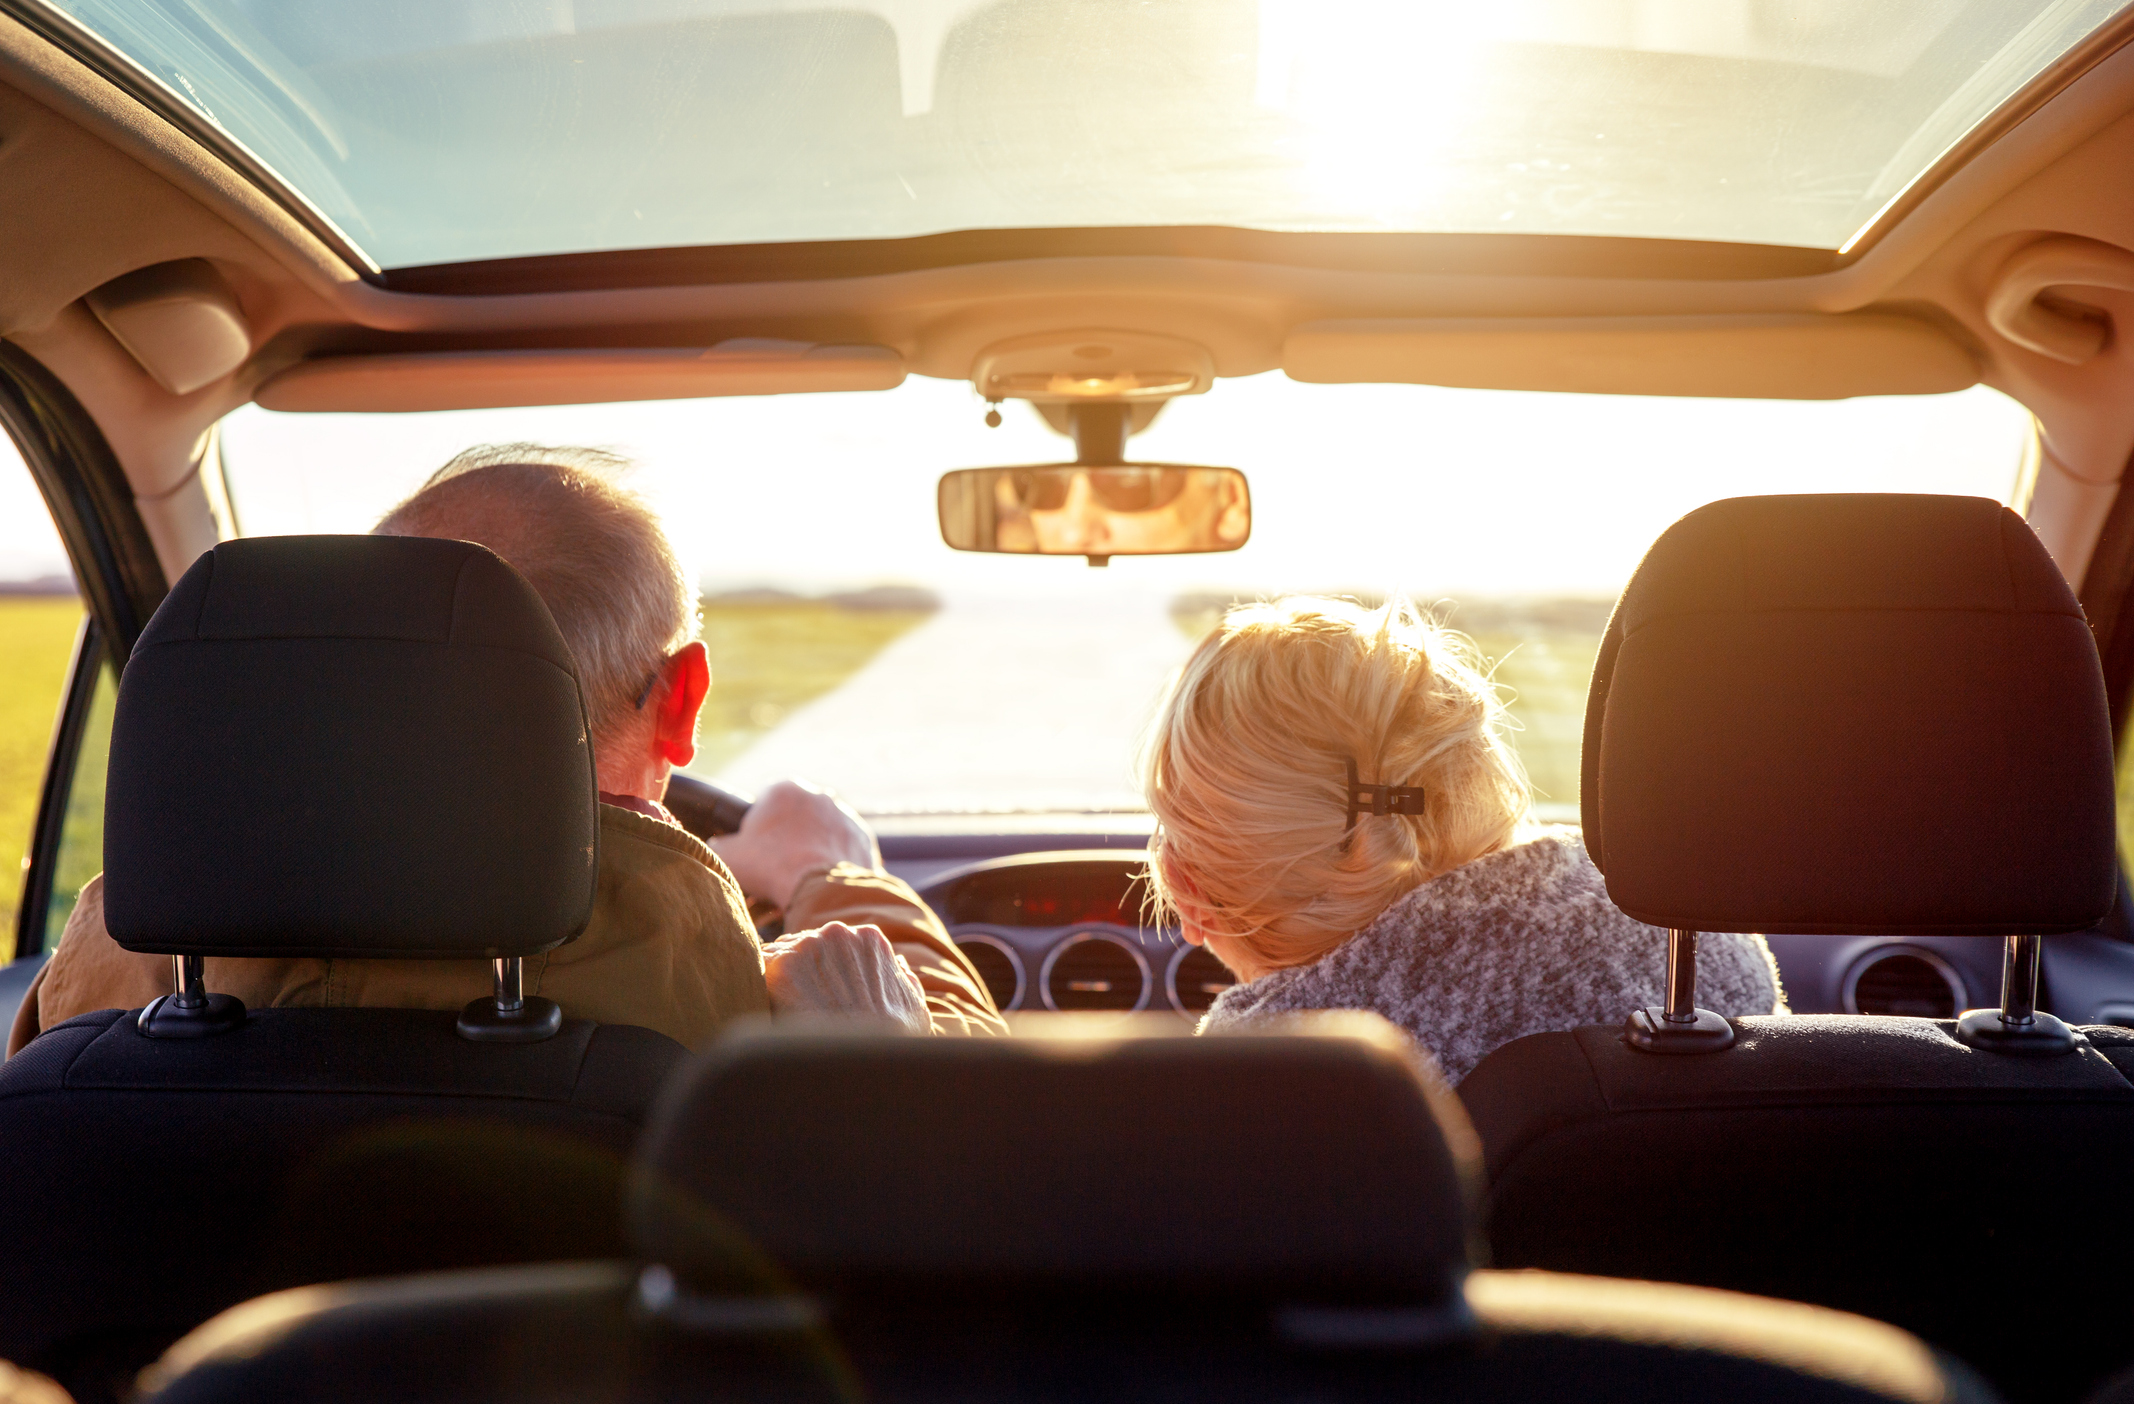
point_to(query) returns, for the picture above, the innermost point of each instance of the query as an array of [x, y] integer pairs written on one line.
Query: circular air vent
[[1196, 979], [1910, 980], [1095, 972], [998, 965]]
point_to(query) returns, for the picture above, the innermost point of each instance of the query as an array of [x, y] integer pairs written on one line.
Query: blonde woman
[[1342, 822]]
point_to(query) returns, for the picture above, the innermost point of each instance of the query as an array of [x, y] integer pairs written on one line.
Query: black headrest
[[1329, 1168], [1870, 713], [349, 746]]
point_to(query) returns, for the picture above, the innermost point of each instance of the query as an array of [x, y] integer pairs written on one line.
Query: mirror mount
[[1099, 429]]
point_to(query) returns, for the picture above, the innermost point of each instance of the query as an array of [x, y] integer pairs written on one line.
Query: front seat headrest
[[1325, 1168], [1851, 713], [349, 746]]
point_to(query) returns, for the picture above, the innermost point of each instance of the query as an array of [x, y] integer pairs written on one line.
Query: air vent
[[1908, 980], [1196, 979], [998, 966], [1095, 972]]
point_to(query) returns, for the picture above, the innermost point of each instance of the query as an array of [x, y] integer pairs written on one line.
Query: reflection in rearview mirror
[[1130, 509]]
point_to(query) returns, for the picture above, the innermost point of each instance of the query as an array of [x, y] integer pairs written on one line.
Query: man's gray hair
[[593, 550]]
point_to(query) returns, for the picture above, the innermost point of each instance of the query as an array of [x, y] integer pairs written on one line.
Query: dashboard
[[1070, 931], [1052, 910], [1064, 928]]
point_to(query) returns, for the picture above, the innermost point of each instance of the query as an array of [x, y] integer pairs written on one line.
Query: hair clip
[[1378, 800]]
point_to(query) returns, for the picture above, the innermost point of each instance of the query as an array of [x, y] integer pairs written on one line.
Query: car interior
[[1768, 353]]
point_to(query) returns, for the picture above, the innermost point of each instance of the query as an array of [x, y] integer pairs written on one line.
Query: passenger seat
[[1095, 1213], [345, 748], [1844, 715]]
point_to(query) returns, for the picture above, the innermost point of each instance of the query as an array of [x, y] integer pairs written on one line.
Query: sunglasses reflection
[[1126, 510]]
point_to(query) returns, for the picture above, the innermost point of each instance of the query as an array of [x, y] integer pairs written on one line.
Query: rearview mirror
[[1129, 509]]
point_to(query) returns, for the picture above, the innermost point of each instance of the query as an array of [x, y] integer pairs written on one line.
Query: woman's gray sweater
[[1521, 941]]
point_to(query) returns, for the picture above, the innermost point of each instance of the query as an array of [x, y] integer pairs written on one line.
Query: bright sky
[[29, 547], [1366, 487], [1355, 487]]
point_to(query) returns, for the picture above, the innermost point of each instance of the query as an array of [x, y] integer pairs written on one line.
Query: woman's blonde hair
[[1246, 770]]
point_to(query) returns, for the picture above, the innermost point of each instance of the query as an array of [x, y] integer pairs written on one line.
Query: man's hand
[[844, 969], [794, 829]]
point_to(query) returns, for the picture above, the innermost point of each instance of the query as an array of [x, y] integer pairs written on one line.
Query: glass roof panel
[[436, 131]]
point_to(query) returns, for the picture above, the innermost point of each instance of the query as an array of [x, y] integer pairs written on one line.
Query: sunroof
[[438, 131]]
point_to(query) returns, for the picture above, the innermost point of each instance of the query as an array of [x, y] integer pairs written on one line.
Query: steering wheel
[[708, 811], [705, 810]]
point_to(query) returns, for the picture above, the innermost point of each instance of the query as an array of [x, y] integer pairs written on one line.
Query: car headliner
[[95, 183]]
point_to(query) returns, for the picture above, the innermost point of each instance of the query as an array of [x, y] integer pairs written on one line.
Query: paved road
[[992, 704]]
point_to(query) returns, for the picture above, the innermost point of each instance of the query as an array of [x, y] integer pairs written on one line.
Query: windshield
[[438, 131], [849, 645]]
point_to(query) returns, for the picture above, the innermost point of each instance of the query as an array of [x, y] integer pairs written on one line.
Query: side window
[[2126, 800], [81, 835], [40, 619]]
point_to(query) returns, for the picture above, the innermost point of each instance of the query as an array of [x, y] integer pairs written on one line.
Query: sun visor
[[1778, 356], [447, 380]]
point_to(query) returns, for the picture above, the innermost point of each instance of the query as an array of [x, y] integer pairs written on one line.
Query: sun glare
[[1378, 96]]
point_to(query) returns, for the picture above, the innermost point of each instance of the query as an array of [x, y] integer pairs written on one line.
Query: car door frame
[[115, 567]]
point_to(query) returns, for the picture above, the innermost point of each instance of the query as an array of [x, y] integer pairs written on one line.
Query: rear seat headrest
[[1856, 713], [1291, 1167], [349, 746]]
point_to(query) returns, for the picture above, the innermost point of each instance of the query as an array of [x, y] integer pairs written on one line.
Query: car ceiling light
[[1122, 385], [1071, 366]]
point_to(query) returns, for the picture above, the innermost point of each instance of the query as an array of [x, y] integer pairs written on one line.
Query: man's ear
[[687, 679]]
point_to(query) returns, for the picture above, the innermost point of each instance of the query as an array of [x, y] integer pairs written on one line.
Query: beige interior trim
[[1801, 357], [493, 379], [161, 440], [2068, 514], [86, 99], [900, 310], [2066, 331], [179, 320]]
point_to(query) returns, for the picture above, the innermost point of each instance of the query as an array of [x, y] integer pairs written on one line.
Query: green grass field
[[36, 641], [1542, 655], [2126, 806], [769, 658]]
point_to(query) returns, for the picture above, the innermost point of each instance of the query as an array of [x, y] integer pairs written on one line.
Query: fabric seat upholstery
[[1844, 715], [825, 1215], [323, 747]]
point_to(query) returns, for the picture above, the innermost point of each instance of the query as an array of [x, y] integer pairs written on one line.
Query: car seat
[[1852, 714], [340, 747], [1092, 1214]]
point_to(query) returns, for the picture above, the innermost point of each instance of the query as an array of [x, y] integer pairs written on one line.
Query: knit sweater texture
[[1521, 941]]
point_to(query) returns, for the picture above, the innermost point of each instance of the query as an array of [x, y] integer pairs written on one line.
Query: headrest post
[[2019, 980], [2018, 1026], [188, 980], [189, 1011], [510, 985], [1680, 1026], [510, 1016], [1681, 978]]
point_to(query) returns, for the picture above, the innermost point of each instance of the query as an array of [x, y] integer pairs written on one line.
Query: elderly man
[[670, 945]]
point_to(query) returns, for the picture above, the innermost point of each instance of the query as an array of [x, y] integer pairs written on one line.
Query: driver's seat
[[341, 747]]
